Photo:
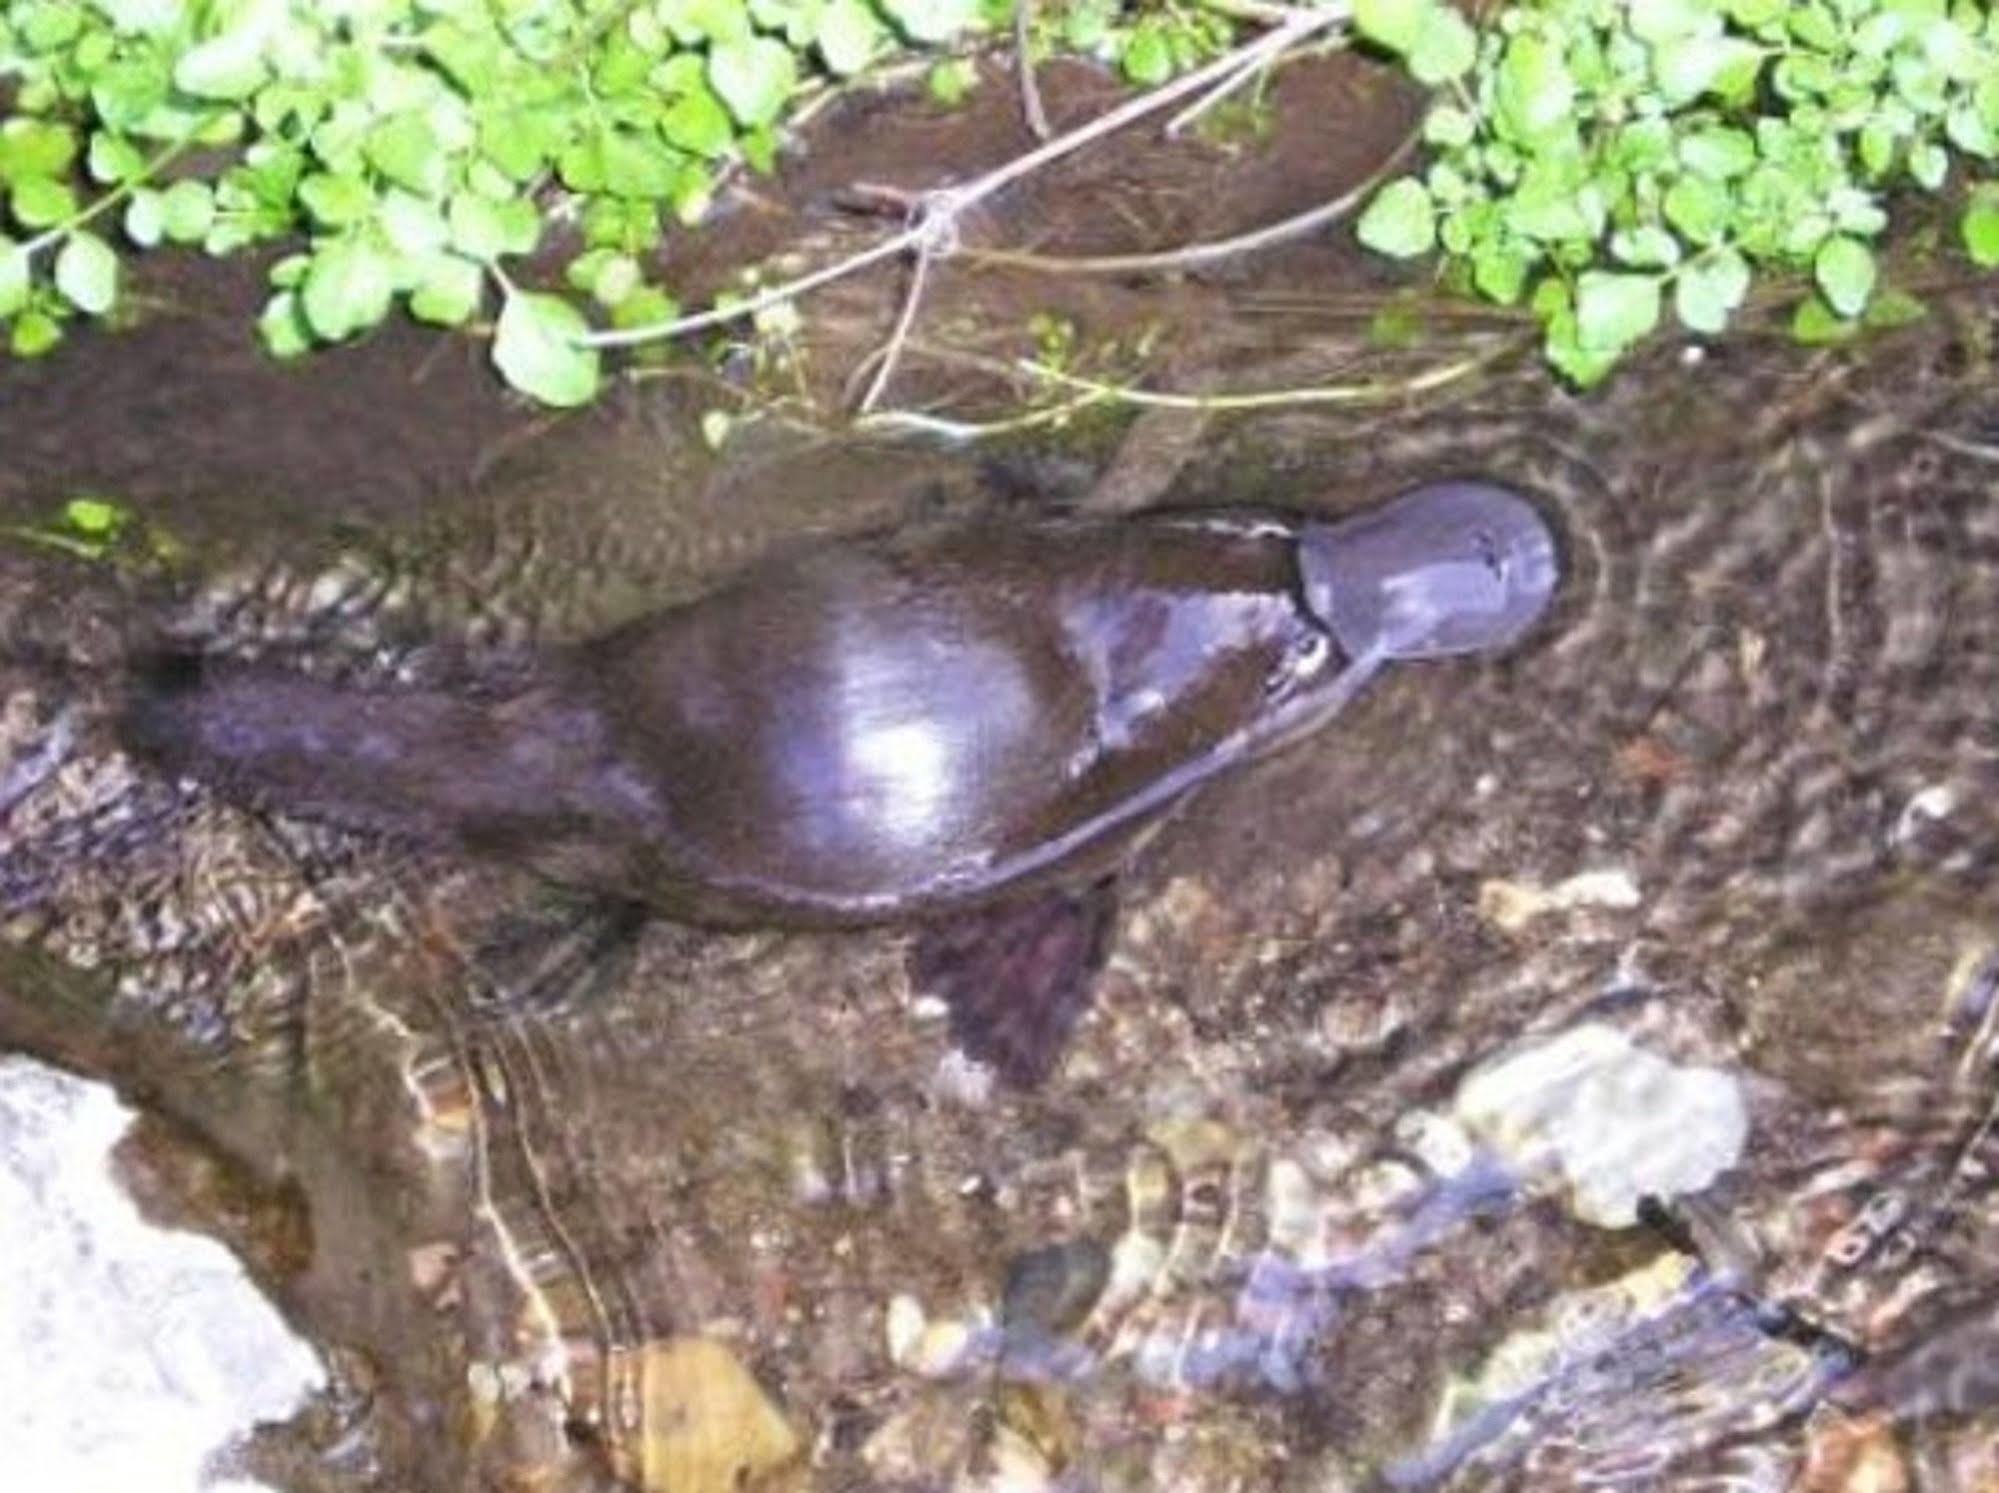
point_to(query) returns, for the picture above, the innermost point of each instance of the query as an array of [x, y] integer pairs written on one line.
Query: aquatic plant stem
[[161, 159], [936, 227], [1363, 393]]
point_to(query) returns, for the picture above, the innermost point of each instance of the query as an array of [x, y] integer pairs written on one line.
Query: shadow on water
[[1571, 1070]]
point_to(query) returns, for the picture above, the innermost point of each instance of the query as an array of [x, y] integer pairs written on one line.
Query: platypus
[[964, 726]]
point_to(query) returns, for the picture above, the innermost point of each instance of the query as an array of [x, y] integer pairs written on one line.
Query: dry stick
[[1191, 255], [1030, 91], [893, 351], [937, 226]]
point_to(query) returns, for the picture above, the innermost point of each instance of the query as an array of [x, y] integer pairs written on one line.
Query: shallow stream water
[[1570, 1070]]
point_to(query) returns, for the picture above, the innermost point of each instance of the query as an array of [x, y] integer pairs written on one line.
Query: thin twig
[[1189, 256], [1023, 61], [919, 277], [937, 225]]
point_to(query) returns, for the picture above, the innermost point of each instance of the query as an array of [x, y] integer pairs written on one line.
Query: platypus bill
[[963, 727]]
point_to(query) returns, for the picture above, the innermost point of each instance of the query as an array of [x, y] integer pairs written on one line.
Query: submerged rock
[[130, 1356], [1617, 1122]]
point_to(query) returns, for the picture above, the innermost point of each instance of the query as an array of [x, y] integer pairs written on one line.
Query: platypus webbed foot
[[1016, 976]]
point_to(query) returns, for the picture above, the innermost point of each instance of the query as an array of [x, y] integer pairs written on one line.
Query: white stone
[[129, 1355], [1511, 905], [1614, 1121], [905, 1323]]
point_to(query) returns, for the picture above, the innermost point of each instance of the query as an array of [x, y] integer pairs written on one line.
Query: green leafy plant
[[420, 150], [1603, 161], [507, 166], [1147, 43]]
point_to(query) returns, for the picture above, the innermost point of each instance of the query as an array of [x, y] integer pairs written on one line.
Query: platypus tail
[[318, 749]]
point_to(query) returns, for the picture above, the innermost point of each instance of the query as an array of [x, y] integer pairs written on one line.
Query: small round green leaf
[[1446, 47], [99, 518], [1718, 152], [648, 306], [1499, 269], [520, 225], [47, 27], [849, 36], [1669, 20], [1950, 49], [753, 77], [414, 225], [336, 200], [227, 67], [35, 147], [14, 279], [1393, 24], [698, 124], [282, 326], [87, 273], [535, 350], [1581, 364], [406, 150], [42, 202], [1646, 248], [346, 289], [1536, 93], [476, 229], [1699, 64], [1148, 56], [1709, 289], [449, 291], [1980, 229], [113, 158], [1844, 269], [1929, 163], [1401, 222], [1448, 126], [187, 210], [931, 21], [35, 333], [1967, 130], [638, 165], [145, 218], [950, 81], [1697, 208], [1615, 310], [617, 276]]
